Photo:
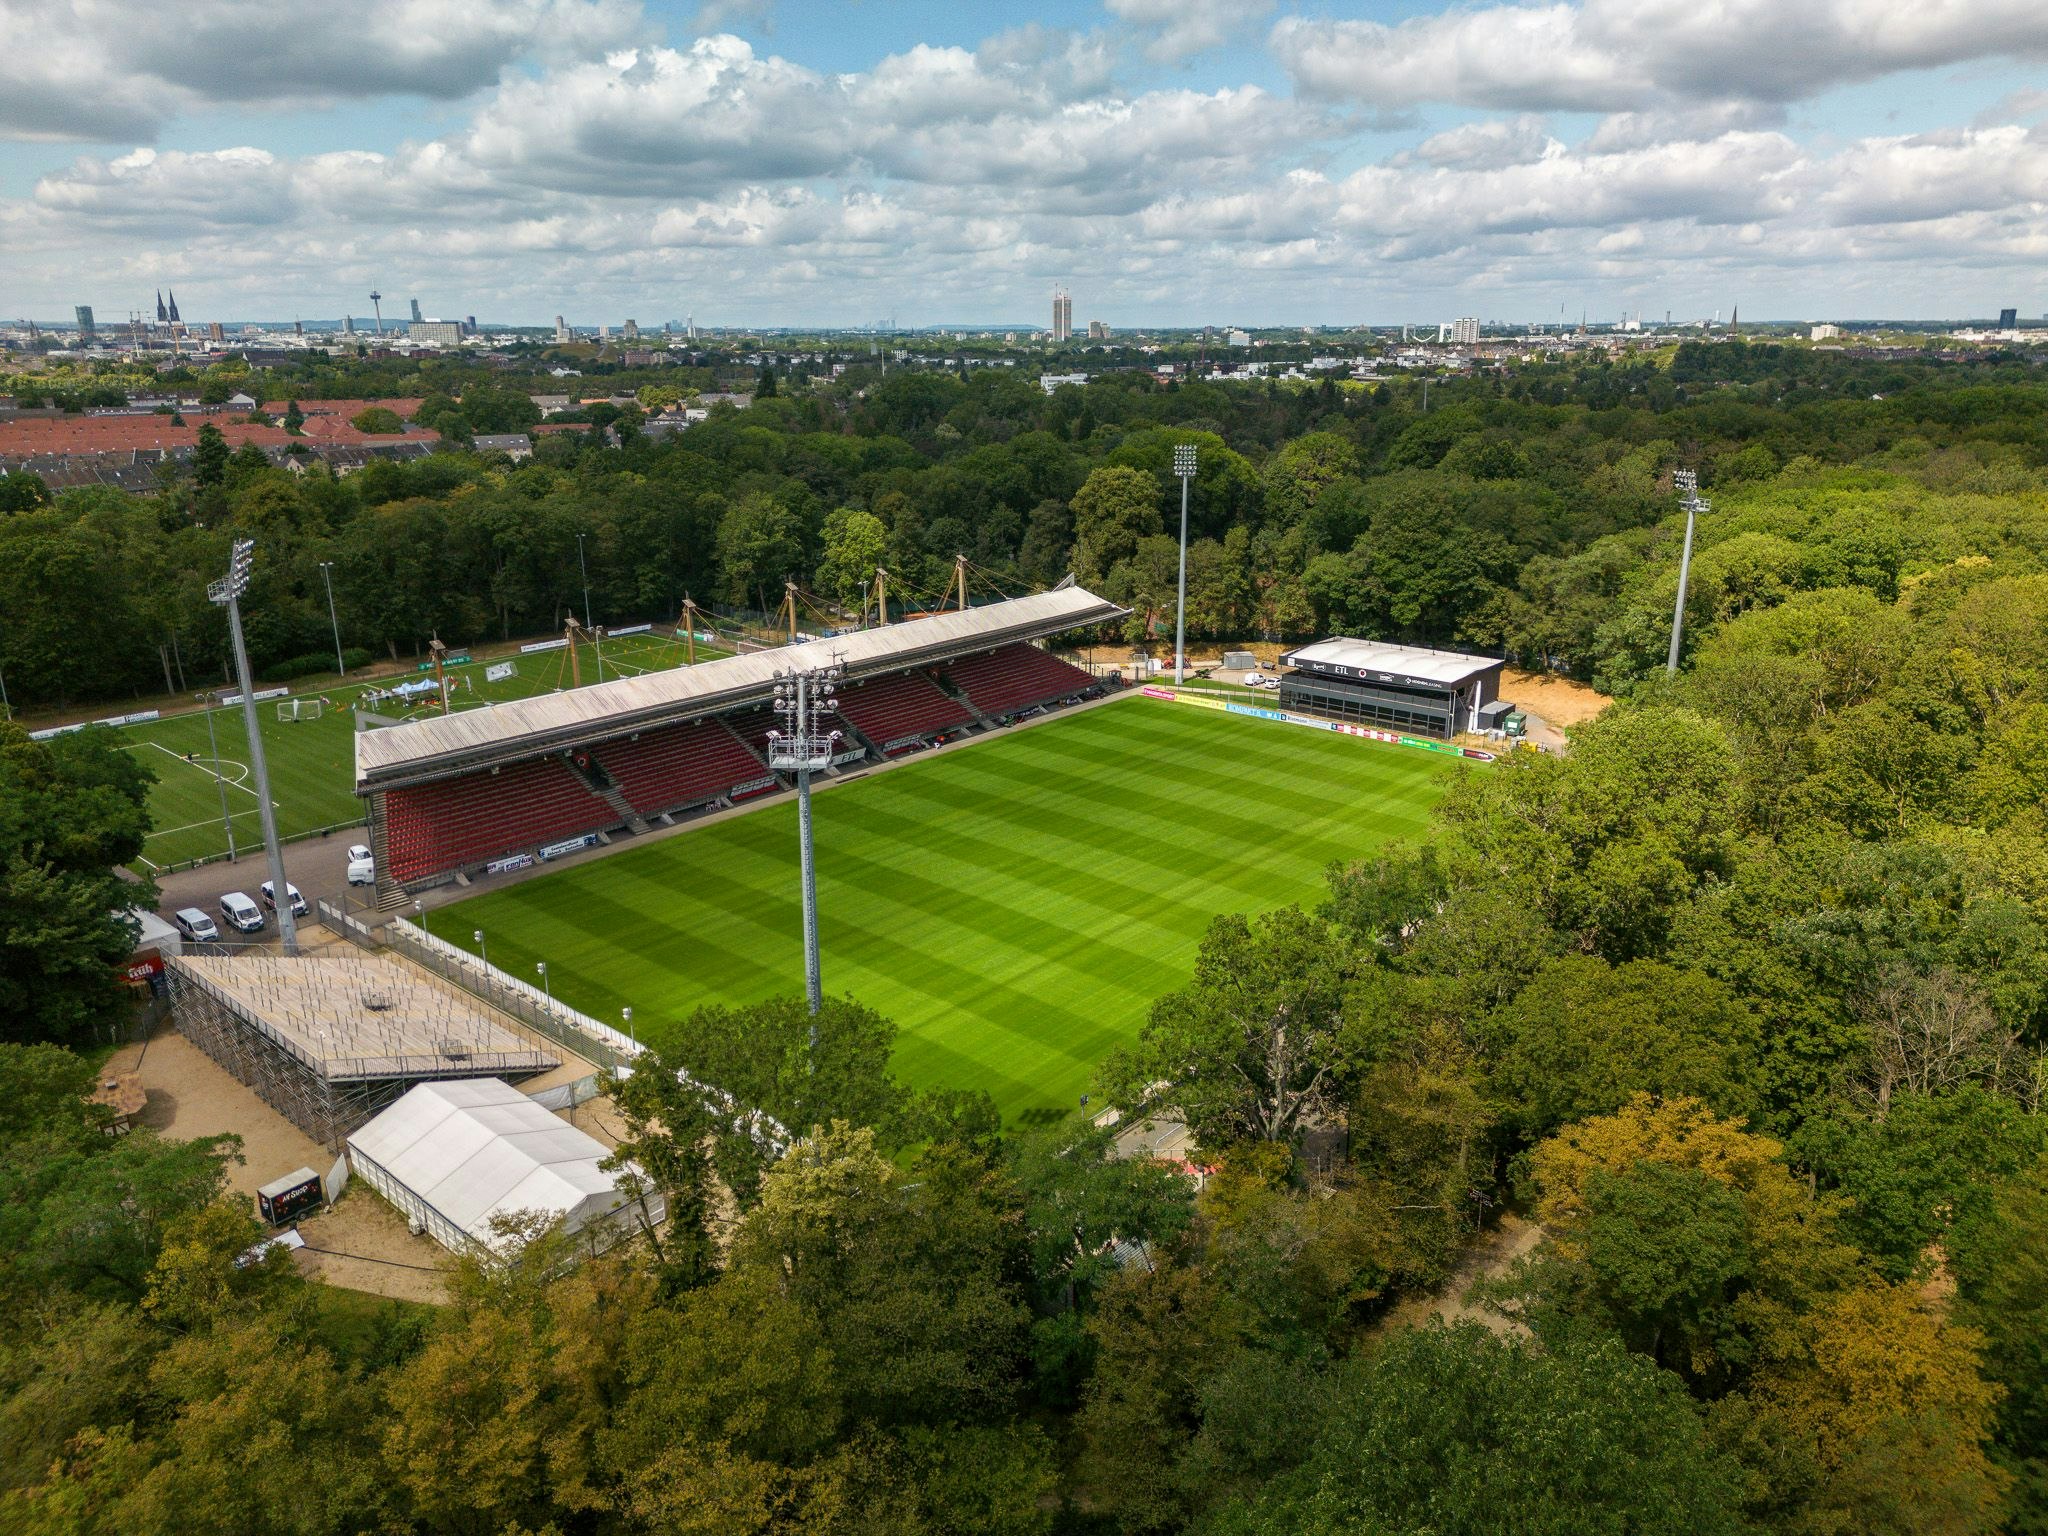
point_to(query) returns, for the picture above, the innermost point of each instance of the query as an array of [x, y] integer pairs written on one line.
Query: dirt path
[[1488, 1259]]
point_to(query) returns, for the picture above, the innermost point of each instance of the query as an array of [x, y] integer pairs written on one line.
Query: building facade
[[1062, 317]]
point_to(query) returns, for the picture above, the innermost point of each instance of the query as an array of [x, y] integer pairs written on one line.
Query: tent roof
[[552, 722], [477, 1148]]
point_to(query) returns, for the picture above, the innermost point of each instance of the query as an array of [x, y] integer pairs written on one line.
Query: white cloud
[[1630, 55], [1489, 144], [121, 69], [1180, 29]]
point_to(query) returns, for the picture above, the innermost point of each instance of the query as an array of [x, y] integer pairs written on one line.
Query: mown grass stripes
[[1015, 906]]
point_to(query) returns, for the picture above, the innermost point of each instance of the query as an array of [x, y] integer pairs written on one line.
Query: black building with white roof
[[1404, 688]]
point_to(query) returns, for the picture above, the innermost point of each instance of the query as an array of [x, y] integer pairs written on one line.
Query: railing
[[573, 1030], [256, 847]]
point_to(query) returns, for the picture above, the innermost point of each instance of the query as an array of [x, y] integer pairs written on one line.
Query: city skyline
[[771, 163]]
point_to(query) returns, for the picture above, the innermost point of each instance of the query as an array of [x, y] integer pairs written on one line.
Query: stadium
[[1015, 899], [460, 793]]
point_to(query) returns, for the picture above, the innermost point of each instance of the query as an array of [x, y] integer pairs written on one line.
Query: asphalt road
[[318, 866]]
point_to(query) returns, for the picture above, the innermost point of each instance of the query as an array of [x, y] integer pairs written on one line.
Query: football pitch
[[312, 762], [1014, 905]]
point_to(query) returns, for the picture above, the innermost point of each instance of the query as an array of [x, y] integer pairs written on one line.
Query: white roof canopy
[[1387, 662], [480, 1148], [556, 721]]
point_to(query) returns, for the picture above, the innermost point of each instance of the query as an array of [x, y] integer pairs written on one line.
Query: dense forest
[[1742, 1004], [1528, 512]]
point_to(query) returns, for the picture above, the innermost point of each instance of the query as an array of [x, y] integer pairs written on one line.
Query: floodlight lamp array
[[1184, 460], [236, 582]]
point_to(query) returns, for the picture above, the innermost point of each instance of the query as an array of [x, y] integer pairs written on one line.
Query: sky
[[1169, 162]]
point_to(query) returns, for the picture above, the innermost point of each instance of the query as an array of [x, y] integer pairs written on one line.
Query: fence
[[257, 848], [579, 1032]]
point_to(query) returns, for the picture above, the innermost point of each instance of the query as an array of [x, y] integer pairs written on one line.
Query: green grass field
[[312, 762], [1015, 905]]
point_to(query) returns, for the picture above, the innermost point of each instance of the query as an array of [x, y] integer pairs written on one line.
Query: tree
[[23, 491], [1583, 1037], [2001, 1269], [1113, 510], [759, 545], [1447, 1432], [294, 419], [210, 457], [1876, 1419], [1251, 1049], [377, 420], [854, 542], [72, 810]]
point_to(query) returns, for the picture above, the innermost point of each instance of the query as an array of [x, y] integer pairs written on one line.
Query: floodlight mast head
[[1184, 460], [236, 582]]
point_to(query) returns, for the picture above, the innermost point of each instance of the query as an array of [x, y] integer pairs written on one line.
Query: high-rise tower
[[1062, 316]]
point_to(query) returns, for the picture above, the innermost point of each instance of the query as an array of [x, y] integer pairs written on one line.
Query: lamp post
[[585, 569], [1687, 483], [213, 747], [483, 950], [326, 569], [628, 1013], [1184, 467], [548, 986], [227, 593], [800, 698], [419, 910]]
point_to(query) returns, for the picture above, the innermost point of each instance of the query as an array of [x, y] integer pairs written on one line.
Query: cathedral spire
[[174, 306], [160, 312]]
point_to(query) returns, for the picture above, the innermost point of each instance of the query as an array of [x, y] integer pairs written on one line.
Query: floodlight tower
[[1184, 467], [1687, 484], [227, 593], [801, 696]]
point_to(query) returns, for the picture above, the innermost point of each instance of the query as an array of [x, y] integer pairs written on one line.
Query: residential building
[[1237, 338], [1097, 331], [1824, 333], [1052, 381], [1062, 317], [86, 332], [515, 445], [1465, 331], [216, 333], [561, 330], [630, 330], [2008, 319], [417, 317], [446, 333]]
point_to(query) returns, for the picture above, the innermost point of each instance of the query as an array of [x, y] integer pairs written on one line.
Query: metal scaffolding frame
[[328, 1041]]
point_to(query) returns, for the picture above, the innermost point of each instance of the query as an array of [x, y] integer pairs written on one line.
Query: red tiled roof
[[113, 434]]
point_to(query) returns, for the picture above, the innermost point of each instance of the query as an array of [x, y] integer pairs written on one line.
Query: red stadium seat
[[453, 823], [894, 711], [1014, 678], [677, 765]]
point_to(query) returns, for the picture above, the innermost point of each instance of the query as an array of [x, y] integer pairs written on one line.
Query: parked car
[[1271, 682], [195, 924], [270, 898], [362, 868], [1255, 679], [241, 912]]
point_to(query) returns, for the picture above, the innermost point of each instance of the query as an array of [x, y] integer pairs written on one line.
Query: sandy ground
[[1559, 700], [1488, 1259]]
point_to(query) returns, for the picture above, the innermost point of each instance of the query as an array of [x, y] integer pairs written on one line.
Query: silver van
[[241, 912], [195, 925]]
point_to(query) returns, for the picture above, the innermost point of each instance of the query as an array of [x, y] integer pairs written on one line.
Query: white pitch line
[[192, 763]]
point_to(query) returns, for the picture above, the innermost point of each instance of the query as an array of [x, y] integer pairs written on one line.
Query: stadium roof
[[478, 1149], [557, 721], [1382, 661]]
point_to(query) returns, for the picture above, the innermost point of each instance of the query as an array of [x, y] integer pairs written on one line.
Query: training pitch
[[1015, 905], [312, 762]]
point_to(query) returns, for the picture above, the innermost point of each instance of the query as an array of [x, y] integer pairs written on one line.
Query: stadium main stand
[[452, 793], [894, 712], [482, 816], [1014, 678]]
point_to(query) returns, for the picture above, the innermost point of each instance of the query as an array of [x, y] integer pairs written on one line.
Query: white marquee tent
[[453, 1155]]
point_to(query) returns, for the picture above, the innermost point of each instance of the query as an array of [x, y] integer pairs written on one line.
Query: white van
[[362, 869], [270, 898], [241, 912], [195, 924]]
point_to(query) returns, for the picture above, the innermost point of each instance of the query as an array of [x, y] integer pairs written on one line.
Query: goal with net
[[301, 709]]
